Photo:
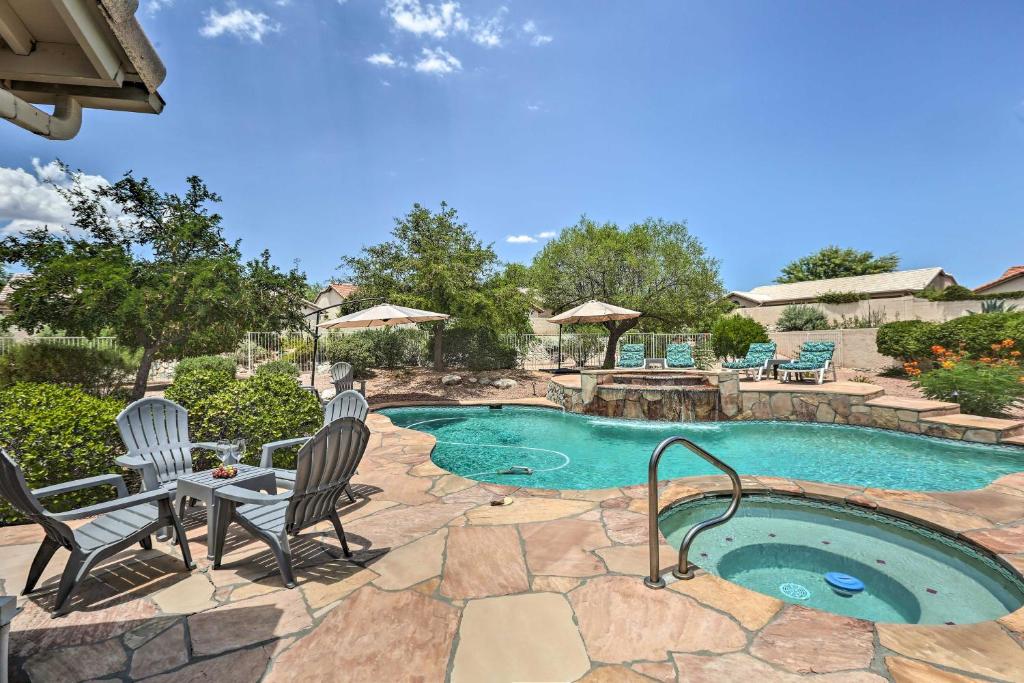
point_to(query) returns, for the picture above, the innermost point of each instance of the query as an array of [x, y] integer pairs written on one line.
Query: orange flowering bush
[[987, 385]]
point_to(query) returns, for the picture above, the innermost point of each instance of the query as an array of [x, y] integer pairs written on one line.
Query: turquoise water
[[783, 548], [569, 451]]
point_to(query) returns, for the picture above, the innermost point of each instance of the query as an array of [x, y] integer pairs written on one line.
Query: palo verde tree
[[833, 262], [153, 267], [437, 263], [655, 267]]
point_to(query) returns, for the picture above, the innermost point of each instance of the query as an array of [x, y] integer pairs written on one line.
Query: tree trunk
[[439, 345], [616, 328], [142, 376]]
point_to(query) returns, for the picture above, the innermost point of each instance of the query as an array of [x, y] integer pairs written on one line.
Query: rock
[[466, 576], [451, 380], [328, 393], [265, 617], [472, 380], [485, 381], [505, 383], [983, 648], [78, 663]]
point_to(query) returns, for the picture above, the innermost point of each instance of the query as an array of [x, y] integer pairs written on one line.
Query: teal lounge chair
[[631, 356], [815, 359], [679, 356], [756, 361]]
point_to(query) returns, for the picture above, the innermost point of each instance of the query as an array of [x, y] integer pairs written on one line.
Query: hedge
[[100, 372], [225, 365], [975, 334], [57, 434], [732, 335]]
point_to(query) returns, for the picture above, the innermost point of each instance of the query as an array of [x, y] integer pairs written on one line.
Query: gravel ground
[[414, 384]]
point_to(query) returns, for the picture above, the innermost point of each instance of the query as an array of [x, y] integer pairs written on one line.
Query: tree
[[833, 262], [732, 335], [153, 267], [437, 263], [655, 267]]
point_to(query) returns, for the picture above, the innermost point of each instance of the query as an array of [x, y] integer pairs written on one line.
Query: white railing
[[7, 343], [538, 351]]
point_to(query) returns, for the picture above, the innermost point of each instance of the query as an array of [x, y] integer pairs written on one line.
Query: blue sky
[[773, 128]]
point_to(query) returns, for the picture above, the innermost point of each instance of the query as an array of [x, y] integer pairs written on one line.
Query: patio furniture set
[[814, 361], [155, 432]]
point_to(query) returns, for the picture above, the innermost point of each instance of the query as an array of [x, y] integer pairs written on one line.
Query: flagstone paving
[[445, 586]]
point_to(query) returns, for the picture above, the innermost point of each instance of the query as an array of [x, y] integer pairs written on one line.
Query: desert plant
[[477, 349], [279, 367], [99, 372], [354, 349], [994, 306], [988, 385], [189, 388], [840, 297], [224, 365], [975, 334], [905, 339], [801, 318], [855, 322], [56, 434], [732, 335]]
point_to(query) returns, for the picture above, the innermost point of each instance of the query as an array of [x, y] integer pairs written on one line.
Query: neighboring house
[[1010, 281], [880, 286], [74, 54], [8, 290], [538, 314], [332, 295]]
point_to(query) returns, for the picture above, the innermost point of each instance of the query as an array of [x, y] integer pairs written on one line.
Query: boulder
[[451, 380], [486, 381], [505, 383], [472, 380], [328, 393]]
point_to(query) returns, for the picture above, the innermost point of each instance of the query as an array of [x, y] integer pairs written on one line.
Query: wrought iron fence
[[538, 351]]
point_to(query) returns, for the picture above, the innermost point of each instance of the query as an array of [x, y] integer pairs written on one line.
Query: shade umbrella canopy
[[593, 312], [383, 315]]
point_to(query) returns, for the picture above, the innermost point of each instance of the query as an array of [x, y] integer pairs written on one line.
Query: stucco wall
[[1014, 285], [854, 348], [899, 308]]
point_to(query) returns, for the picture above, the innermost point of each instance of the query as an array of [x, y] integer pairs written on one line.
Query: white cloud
[[151, 7], [519, 239], [437, 21], [490, 32], [437, 61], [384, 59], [533, 33], [242, 23], [29, 200], [547, 234]]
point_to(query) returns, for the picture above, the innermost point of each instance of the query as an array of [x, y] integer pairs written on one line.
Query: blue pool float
[[844, 582]]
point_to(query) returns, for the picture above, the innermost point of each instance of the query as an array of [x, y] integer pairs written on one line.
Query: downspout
[[63, 124]]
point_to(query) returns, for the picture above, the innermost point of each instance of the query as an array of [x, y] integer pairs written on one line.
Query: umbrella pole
[[316, 346], [559, 347]]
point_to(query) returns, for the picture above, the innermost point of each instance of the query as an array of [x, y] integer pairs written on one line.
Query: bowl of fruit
[[225, 472]]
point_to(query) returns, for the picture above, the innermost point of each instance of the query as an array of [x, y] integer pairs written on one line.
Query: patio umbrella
[[590, 312], [384, 314]]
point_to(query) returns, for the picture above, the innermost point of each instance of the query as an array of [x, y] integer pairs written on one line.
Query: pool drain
[[794, 591]]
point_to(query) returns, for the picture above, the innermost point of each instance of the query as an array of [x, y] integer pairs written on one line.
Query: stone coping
[[444, 584], [918, 404], [976, 422], [536, 401], [839, 388]]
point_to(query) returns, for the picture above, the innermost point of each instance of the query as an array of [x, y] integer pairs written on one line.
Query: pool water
[[571, 451], [783, 547]]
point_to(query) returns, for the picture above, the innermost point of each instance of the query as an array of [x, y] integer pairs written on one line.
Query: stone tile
[[742, 667], [362, 508], [659, 671], [635, 560], [805, 640], [527, 509], [945, 520], [560, 547], [247, 622], [528, 637], [148, 630], [1006, 540], [427, 469], [999, 508], [475, 495], [400, 488], [753, 610], [268, 584], [244, 665], [554, 584], [450, 483], [188, 596], [595, 495], [411, 564], [614, 674], [1014, 621], [374, 636], [622, 621], [983, 648], [165, 652], [975, 422], [830, 492], [22, 534], [625, 527], [482, 562], [78, 663], [327, 583], [396, 527], [908, 671]]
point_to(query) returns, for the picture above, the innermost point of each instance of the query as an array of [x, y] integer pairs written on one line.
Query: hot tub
[[901, 572]]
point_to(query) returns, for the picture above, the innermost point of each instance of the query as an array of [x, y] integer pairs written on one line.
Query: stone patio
[[445, 586]]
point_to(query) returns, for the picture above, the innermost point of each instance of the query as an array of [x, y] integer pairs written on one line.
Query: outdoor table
[[774, 364], [203, 486]]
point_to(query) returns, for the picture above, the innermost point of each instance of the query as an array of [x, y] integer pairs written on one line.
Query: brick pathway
[[445, 586]]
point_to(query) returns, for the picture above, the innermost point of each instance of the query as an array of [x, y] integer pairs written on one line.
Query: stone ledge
[[841, 388], [1013, 440], [994, 424], [919, 405]]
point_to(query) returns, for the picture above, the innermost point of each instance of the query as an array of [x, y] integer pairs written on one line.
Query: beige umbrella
[[590, 312], [384, 314]]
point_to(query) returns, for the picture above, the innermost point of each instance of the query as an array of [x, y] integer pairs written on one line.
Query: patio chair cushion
[[114, 526], [679, 356], [813, 356], [757, 354], [631, 356]]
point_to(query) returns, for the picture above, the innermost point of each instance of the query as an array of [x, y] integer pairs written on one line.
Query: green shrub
[[951, 293], [224, 365], [801, 318], [476, 349], [279, 367], [354, 349], [980, 388], [732, 335], [56, 434], [975, 334], [191, 387], [260, 409], [395, 348], [840, 297], [855, 322], [905, 340], [99, 372]]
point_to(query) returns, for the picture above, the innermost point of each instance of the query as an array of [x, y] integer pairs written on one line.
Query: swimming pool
[[570, 451], [903, 573]]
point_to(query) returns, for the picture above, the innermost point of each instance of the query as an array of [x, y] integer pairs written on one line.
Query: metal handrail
[[683, 570]]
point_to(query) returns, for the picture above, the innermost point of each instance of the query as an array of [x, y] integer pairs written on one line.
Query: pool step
[[923, 407], [1013, 440], [973, 428]]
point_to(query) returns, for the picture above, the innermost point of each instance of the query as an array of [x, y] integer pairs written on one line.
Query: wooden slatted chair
[[118, 524], [324, 466]]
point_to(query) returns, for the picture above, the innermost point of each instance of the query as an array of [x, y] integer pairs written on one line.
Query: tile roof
[[1011, 272], [899, 282], [342, 289]]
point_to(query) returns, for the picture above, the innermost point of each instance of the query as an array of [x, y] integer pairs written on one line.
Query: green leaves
[[732, 335], [833, 262]]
